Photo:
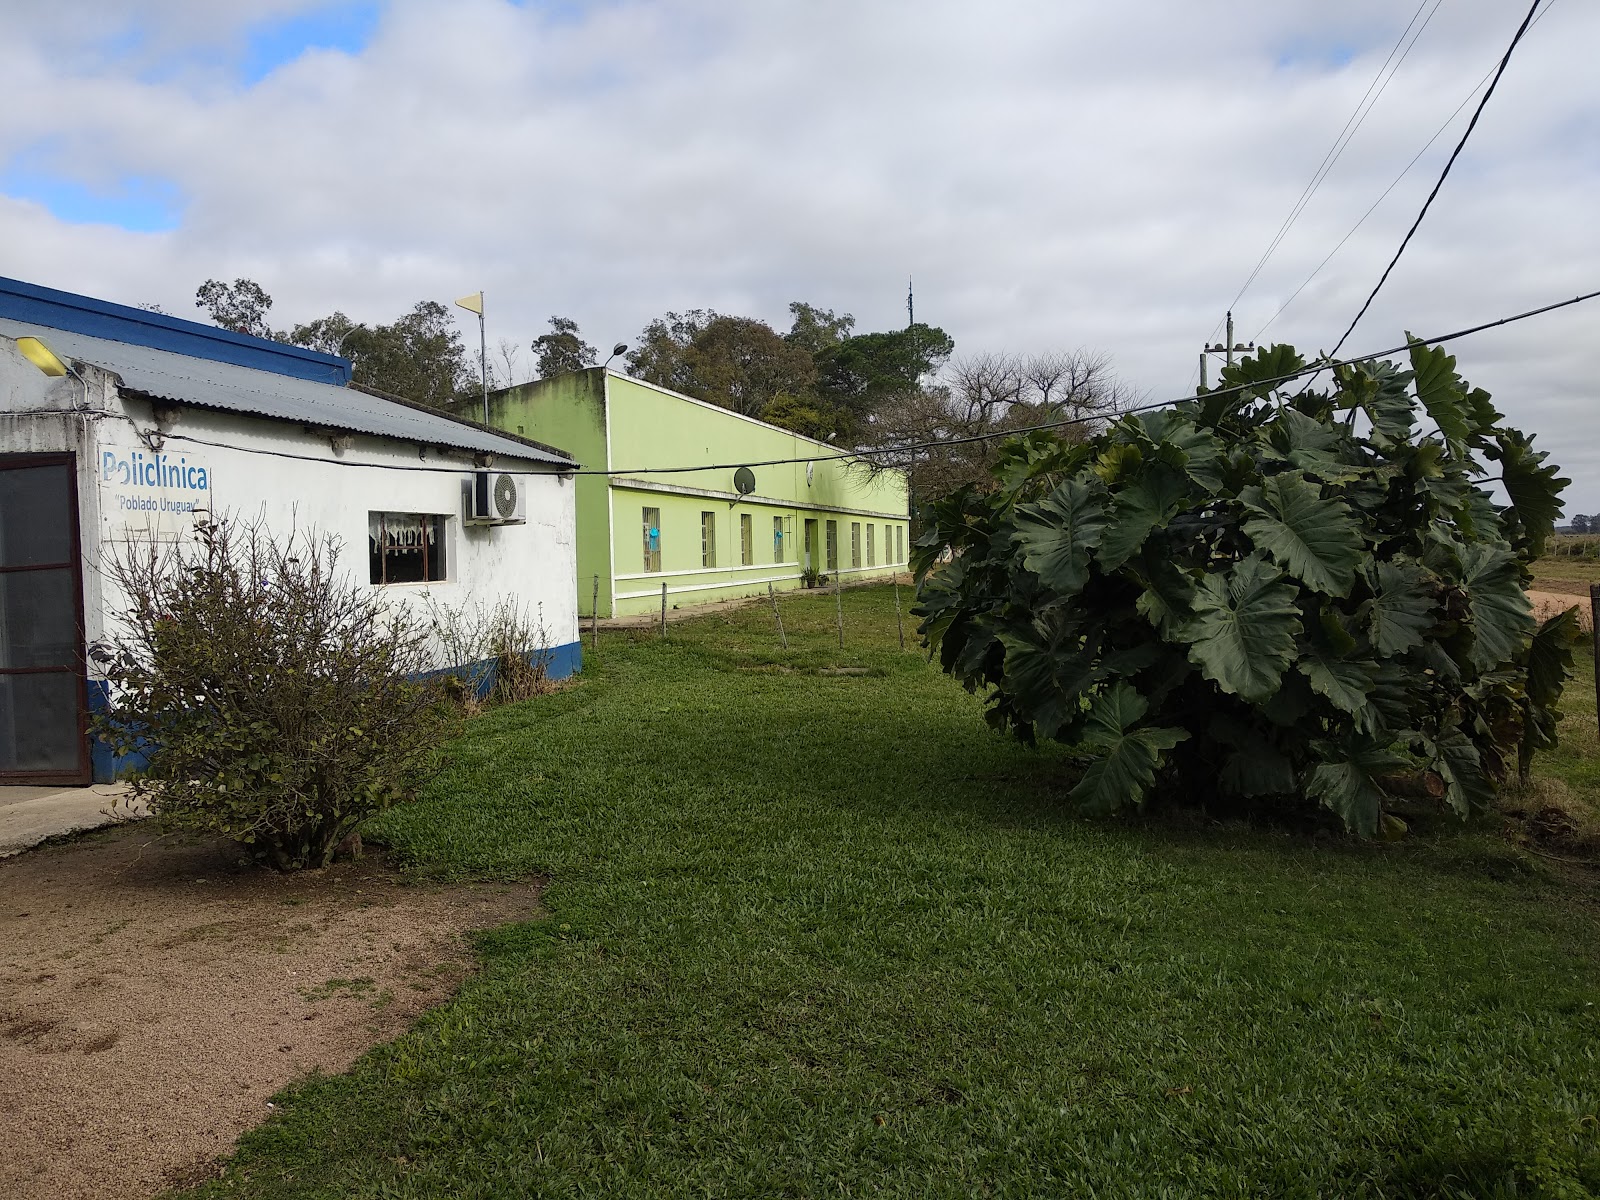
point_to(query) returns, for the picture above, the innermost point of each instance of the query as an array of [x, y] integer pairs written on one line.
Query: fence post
[[898, 623], [594, 617], [838, 606], [663, 608], [776, 616], [1594, 633]]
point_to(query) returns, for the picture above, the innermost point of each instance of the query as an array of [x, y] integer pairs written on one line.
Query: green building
[[641, 526]]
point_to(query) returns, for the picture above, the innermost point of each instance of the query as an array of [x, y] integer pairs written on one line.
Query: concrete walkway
[[29, 815]]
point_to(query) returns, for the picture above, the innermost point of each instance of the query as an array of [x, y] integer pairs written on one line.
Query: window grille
[[708, 539], [652, 539], [405, 548]]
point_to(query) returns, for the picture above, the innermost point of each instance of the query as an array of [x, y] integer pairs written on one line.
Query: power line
[[1352, 126], [1320, 173], [1309, 369], [1306, 282], [1437, 134], [1443, 175]]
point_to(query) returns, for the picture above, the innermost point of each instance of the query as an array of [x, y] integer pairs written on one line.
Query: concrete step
[[29, 815]]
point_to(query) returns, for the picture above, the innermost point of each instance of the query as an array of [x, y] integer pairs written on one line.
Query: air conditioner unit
[[496, 498]]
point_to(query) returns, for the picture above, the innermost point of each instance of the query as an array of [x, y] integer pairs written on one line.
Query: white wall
[[320, 490]]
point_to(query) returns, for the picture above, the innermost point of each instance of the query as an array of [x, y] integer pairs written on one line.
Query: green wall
[[568, 411], [635, 430]]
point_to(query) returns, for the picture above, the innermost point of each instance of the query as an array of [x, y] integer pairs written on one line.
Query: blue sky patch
[[273, 44], [559, 12], [139, 203], [1326, 55]]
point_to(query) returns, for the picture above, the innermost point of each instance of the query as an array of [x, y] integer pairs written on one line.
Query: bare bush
[[275, 702], [496, 654]]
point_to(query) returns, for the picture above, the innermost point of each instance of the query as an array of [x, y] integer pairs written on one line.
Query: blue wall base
[[561, 663], [109, 766]]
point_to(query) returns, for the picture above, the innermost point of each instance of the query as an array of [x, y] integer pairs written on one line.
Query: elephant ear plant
[[1279, 598]]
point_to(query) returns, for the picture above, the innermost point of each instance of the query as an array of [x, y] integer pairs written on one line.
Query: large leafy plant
[[1286, 597]]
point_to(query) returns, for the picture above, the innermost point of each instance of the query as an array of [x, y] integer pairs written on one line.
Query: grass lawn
[[1554, 569], [822, 935]]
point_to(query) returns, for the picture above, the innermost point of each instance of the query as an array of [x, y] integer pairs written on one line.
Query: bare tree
[[984, 385], [509, 352], [947, 434]]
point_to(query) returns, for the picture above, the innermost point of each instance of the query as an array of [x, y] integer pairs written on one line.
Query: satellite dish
[[744, 481]]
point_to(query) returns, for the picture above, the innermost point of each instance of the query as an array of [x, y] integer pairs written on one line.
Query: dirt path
[[1547, 604], [154, 996]]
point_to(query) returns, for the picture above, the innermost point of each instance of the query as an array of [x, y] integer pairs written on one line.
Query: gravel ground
[[154, 995]]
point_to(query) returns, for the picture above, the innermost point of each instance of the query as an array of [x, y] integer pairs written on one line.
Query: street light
[[338, 351], [46, 359], [41, 356], [619, 348]]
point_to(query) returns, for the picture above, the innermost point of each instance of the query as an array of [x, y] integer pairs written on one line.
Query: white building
[[157, 417]]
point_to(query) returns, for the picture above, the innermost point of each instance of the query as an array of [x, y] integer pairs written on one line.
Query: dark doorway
[[43, 687]]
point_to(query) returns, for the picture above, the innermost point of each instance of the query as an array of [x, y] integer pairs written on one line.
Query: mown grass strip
[[826, 935]]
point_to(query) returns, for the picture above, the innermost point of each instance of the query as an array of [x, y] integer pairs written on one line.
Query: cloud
[[1052, 175], [273, 43]]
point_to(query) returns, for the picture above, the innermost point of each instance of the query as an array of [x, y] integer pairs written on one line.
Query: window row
[[894, 544], [869, 542]]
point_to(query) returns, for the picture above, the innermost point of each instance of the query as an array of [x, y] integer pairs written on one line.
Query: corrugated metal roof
[[34, 304], [207, 384]]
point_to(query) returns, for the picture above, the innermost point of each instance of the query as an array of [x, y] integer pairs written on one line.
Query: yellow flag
[[472, 303]]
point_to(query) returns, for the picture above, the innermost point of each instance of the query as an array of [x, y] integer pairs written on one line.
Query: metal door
[[43, 684], [811, 545]]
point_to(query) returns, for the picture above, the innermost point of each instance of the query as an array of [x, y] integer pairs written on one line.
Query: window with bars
[[833, 545], [747, 539], [708, 539], [855, 543], [652, 539], [899, 543], [872, 545], [406, 548], [778, 550]]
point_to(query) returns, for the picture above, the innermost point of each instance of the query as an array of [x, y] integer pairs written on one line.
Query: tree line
[[899, 394]]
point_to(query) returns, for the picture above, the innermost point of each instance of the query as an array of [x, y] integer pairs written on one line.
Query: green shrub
[[1263, 596], [275, 701]]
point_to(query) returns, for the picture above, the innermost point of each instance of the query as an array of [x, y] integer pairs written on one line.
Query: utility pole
[[1226, 348], [911, 308]]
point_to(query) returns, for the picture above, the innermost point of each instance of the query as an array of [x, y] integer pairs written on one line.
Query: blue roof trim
[[51, 309]]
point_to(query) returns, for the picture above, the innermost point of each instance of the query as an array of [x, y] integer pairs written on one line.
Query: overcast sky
[[1055, 174]]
